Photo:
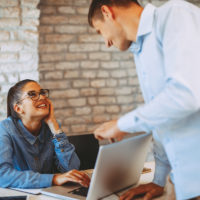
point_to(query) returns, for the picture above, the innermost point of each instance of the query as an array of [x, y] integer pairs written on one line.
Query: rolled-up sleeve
[[162, 167], [66, 158]]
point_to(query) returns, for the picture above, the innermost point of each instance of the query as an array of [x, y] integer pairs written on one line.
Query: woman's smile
[[43, 105]]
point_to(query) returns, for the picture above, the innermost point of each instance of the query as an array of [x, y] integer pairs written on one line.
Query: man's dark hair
[[95, 7], [14, 95]]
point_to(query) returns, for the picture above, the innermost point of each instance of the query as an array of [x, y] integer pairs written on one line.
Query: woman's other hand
[[72, 176]]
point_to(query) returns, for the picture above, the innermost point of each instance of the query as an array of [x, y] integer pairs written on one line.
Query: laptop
[[118, 166]]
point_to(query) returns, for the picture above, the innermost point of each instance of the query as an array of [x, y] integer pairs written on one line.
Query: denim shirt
[[27, 161], [167, 57]]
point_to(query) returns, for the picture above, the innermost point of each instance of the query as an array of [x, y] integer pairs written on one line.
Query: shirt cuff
[[161, 172], [132, 122], [45, 180], [126, 122]]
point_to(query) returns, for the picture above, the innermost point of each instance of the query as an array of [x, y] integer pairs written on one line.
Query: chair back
[[86, 147]]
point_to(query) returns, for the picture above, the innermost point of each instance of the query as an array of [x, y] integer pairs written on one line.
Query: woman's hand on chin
[[72, 176]]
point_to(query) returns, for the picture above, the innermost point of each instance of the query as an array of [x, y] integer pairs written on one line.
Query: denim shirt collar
[[145, 27], [30, 137]]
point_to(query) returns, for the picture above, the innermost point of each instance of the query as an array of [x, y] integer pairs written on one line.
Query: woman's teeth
[[42, 105]]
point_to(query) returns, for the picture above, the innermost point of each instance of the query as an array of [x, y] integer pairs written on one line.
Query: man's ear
[[18, 109], [107, 12]]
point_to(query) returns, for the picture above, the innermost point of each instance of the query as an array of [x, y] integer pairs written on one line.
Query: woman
[[33, 148]]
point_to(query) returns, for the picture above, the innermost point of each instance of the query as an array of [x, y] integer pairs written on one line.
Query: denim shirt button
[[62, 150]]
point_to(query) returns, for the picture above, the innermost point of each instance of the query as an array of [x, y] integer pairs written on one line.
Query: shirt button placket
[[37, 163], [36, 157]]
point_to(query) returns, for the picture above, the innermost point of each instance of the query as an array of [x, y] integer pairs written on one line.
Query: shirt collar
[[145, 27], [28, 136]]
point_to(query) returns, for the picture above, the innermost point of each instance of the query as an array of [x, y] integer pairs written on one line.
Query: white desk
[[145, 178]]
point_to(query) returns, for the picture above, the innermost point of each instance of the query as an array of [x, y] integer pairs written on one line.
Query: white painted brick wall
[[18, 44]]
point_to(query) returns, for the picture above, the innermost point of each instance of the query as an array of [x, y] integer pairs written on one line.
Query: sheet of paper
[[31, 191], [111, 197]]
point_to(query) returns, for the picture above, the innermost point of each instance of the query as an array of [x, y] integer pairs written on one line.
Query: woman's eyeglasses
[[36, 95]]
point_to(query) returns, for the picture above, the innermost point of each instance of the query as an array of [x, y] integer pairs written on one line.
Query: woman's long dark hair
[[14, 95]]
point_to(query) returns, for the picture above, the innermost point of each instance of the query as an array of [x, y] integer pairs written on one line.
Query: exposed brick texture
[[70, 51], [89, 83], [19, 21]]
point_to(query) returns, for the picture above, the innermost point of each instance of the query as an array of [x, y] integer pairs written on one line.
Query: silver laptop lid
[[118, 166]]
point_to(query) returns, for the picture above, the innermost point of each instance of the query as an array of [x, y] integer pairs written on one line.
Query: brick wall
[[18, 44], [89, 83]]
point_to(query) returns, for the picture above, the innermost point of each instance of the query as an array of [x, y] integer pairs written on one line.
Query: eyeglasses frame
[[27, 95]]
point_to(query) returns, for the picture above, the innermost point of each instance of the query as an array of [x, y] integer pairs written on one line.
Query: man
[[165, 42]]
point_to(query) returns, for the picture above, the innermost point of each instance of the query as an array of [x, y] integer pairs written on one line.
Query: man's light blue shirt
[[167, 57]]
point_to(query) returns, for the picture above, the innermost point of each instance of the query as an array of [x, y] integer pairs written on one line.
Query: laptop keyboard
[[82, 191]]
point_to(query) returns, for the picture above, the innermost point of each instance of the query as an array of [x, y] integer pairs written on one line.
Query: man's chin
[[124, 47]]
